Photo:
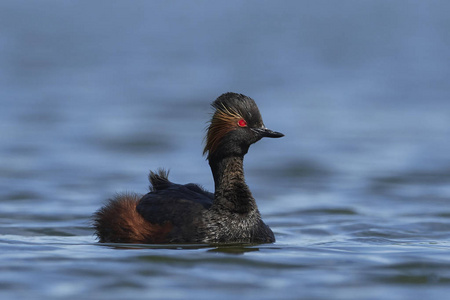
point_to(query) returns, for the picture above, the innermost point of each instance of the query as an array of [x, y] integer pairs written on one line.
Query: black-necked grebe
[[175, 213]]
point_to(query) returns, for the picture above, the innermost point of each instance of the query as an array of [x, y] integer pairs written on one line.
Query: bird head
[[235, 125]]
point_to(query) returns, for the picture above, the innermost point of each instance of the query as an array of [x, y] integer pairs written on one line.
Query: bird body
[[175, 213]]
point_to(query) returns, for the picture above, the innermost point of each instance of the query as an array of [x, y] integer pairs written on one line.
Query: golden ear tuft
[[223, 121]]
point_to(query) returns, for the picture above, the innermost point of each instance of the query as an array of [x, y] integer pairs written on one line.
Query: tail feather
[[159, 180], [119, 222]]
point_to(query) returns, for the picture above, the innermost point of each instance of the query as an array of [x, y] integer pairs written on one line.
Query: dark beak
[[264, 132]]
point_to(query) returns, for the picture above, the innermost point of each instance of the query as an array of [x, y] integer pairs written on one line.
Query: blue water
[[95, 94]]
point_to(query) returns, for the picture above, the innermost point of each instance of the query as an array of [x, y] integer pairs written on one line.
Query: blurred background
[[94, 94]]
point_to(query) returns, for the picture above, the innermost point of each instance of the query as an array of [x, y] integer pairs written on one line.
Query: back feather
[[159, 180]]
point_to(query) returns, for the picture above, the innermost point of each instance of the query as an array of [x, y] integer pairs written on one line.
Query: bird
[[172, 213]]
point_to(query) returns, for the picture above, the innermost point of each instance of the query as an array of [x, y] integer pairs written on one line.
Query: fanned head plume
[[232, 111]]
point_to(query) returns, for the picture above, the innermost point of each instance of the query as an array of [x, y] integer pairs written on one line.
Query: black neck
[[231, 191]]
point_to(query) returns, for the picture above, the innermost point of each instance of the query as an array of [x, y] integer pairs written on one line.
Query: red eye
[[242, 123]]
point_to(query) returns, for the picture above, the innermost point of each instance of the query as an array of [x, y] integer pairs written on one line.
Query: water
[[94, 95]]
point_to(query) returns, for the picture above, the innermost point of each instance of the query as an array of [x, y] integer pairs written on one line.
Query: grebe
[[175, 213]]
